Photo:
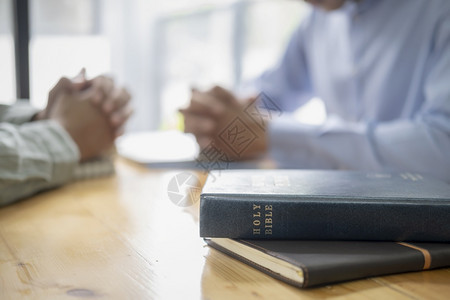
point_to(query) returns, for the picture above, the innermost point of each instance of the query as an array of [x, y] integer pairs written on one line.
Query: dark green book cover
[[324, 205]]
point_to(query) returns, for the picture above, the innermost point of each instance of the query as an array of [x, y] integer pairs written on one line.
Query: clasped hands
[[93, 112], [221, 122]]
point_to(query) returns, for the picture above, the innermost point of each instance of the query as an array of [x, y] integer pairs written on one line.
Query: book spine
[[321, 219]]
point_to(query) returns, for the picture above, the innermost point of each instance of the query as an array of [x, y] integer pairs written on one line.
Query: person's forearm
[[34, 157], [415, 146]]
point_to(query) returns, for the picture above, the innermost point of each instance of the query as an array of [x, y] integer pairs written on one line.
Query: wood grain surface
[[121, 237]]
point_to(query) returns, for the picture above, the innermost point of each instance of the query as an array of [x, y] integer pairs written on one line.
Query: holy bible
[[324, 205]]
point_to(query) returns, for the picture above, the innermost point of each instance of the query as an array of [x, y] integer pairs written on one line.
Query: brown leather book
[[312, 263]]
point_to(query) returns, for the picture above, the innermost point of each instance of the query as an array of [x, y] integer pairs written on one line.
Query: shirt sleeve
[[287, 85], [34, 157], [420, 144]]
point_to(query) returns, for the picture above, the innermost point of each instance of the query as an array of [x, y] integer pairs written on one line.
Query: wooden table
[[122, 238]]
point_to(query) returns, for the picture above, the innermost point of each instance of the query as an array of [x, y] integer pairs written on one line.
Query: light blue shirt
[[382, 69]]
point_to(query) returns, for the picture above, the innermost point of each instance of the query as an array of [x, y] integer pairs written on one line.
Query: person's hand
[[63, 86], [88, 126], [112, 100], [219, 120]]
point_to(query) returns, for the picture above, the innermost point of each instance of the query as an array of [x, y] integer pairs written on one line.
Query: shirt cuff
[[290, 144], [61, 148], [19, 113]]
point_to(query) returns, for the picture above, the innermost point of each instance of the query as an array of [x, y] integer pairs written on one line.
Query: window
[[268, 29], [157, 49], [222, 44], [7, 75], [194, 50], [65, 36]]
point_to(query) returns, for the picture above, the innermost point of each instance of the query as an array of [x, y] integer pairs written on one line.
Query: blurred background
[[158, 49]]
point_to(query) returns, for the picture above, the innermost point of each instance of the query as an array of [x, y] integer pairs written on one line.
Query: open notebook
[[170, 149], [158, 148]]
